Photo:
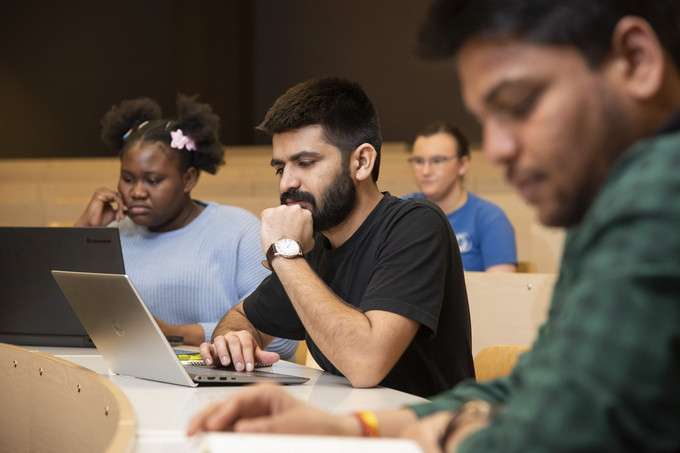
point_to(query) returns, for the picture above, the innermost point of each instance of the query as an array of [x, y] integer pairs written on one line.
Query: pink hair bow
[[181, 141]]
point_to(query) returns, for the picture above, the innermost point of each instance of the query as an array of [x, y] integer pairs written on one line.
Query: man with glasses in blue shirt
[[486, 239]]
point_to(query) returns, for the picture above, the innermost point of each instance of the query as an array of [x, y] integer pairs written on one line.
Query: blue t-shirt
[[485, 235]]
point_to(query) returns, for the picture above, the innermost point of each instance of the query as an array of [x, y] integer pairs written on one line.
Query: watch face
[[287, 247]]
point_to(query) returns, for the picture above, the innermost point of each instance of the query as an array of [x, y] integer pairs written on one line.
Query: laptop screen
[[33, 310]]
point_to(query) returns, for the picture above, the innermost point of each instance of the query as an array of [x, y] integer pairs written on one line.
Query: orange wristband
[[369, 423]]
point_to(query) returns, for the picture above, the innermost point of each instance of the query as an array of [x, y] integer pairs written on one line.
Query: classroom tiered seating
[[41, 192], [507, 309]]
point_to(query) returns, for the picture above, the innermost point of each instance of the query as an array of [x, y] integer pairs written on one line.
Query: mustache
[[298, 195], [514, 174]]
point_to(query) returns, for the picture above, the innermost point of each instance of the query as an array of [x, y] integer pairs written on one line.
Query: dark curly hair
[[584, 24], [339, 106], [140, 119]]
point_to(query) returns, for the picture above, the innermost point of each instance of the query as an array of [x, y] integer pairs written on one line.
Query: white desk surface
[[163, 411]]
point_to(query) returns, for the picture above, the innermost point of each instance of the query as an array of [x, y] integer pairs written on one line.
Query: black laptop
[[33, 310]]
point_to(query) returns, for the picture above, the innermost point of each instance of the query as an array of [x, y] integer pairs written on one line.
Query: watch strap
[[272, 251]]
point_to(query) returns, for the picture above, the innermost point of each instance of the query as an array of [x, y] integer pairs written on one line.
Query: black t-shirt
[[403, 259]]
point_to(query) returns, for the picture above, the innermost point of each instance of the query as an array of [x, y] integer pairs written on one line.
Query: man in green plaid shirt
[[580, 101]]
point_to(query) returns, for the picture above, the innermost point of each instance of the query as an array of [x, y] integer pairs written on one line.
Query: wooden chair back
[[527, 267], [497, 361], [507, 308]]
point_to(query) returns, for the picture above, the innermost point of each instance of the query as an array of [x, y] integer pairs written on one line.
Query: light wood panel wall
[[507, 309], [41, 192]]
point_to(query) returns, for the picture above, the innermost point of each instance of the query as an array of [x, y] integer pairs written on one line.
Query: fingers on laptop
[[208, 354], [234, 347], [241, 346]]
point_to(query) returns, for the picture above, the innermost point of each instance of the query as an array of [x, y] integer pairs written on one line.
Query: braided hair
[[193, 136]]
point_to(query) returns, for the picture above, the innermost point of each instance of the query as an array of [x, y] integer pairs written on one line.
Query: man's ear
[[640, 56], [463, 165], [362, 161], [190, 178]]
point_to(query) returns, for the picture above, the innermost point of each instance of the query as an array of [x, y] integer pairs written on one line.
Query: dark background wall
[[63, 64]]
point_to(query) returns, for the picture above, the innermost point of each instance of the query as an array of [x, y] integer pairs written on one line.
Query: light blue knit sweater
[[197, 273]]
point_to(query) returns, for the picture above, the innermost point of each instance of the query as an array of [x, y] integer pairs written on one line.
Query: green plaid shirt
[[604, 372]]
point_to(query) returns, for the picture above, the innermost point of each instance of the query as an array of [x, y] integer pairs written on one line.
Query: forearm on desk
[[361, 345]]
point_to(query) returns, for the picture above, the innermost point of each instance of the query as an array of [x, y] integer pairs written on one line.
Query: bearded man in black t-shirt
[[373, 284]]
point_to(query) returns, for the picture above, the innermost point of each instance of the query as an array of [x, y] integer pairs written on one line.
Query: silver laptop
[[130, 341]]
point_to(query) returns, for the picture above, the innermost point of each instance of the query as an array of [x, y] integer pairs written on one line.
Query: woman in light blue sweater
[[191, 261]]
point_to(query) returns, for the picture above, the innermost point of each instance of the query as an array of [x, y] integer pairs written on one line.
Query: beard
[[336, 204], [614, 139]]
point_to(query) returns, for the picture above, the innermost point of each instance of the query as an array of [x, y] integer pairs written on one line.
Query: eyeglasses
[[435, 161]]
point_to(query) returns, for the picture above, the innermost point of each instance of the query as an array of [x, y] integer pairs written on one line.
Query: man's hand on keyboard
[[239, 348]]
